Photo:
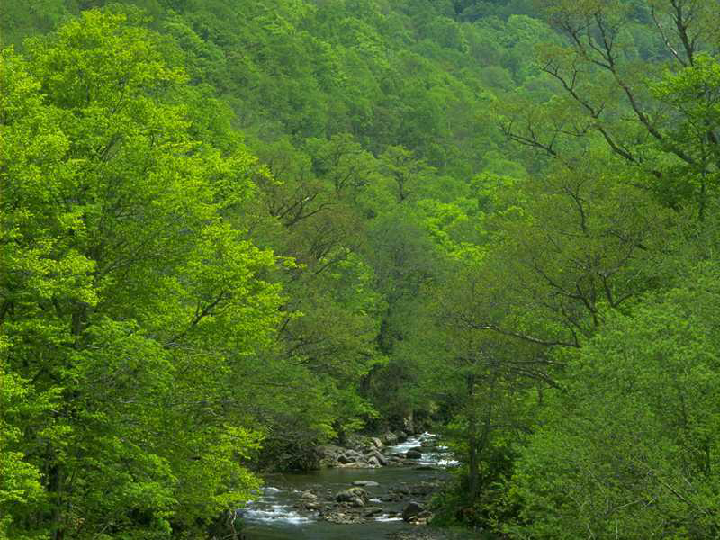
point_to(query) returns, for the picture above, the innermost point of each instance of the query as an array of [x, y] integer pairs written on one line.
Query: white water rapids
[[439, 456]]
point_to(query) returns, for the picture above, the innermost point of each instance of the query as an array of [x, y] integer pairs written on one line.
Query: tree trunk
[[473, 455]]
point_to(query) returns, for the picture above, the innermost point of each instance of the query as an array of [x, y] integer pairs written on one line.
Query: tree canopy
[[231, 231]]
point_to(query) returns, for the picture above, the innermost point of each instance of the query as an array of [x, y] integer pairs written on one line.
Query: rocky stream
[[376, 488]]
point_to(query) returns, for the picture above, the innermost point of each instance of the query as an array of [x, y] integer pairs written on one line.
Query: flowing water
[[274, 515]]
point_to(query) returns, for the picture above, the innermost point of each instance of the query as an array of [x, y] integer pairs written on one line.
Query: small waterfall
[[432, 453]]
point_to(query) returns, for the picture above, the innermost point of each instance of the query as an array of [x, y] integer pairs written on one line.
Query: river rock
[[344, 458], [308, 496], [377, 442], [349, 495], [390, 438], [411, 511], [374, 462], [365, 483], [357, 502], [402, 436], [413, 453], [343, 519], [372, 511], [382, 459], [357, 465], [358, 442]]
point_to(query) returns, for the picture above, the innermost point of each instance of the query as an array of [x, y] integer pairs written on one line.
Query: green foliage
[[120, 276], [630, 449], [20, 485], [493, 213]]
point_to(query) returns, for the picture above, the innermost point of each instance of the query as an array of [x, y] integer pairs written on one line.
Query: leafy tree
[[630, 450], [605, 81], [120, 279]]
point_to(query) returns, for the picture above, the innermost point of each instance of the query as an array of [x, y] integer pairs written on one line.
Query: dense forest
[[233, 230]]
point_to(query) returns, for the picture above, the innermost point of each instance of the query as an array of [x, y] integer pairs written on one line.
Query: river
[[275, 515]]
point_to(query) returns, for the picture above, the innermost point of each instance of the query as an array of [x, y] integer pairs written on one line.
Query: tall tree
[[127, 298]]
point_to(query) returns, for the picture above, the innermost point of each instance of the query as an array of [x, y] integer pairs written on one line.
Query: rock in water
[[412, 510], [373, 511], [350, 494], [413, 454], [365, 483]]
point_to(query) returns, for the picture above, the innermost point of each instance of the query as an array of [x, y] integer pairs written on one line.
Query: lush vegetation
[[232, 230]]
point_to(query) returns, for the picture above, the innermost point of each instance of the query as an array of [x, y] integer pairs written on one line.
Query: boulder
[[411, 511], [374, 462], [402, 436], [377, 442], [356, 465], [413, 453], [372, 511], [349, 495], [344, 458], [390, 438], [382, 459], [358, 442], [357, 502], [365, 483], [308, 496], [343, 519]]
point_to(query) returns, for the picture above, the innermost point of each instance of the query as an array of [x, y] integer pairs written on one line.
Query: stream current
[[274, 515]]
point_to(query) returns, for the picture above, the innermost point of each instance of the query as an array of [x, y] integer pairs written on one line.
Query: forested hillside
[[233, 230]]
